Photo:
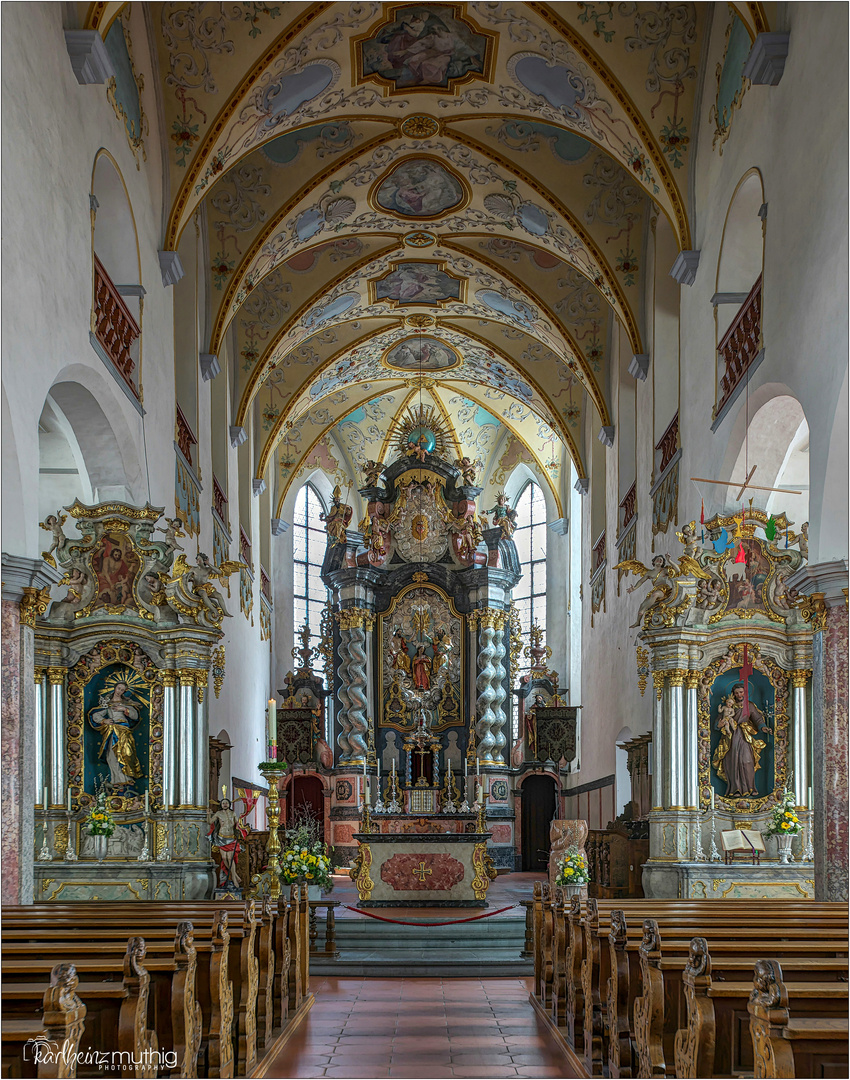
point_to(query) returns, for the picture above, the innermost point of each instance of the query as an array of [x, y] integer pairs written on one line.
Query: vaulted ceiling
[[435, 204]]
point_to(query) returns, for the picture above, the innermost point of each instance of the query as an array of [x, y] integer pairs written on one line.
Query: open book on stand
[[742, 842]]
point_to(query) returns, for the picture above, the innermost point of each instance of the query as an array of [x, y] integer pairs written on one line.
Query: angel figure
[[688, 537], [663, 581], [53, 524], [709, 593], [172, 531], [371, 473], [190, 587], [468, 469]]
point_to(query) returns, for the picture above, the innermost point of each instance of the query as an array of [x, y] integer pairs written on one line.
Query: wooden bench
[[58, 1029], [712, 1043], [787, 1046]]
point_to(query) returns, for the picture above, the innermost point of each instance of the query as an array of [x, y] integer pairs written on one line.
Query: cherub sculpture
[[372, 471], [53, 524], [663, 575], [468, 469], [709, 593], [172, 531], [189, 590], [688, 537]]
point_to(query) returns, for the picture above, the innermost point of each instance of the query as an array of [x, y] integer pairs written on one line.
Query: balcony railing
[[244, 547], [598, 554], [265, 584], [185, 437], [114, 327], [667, 446], [220, 501], [628, 506], [741, 344]]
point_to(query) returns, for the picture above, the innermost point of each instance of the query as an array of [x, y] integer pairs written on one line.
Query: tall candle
[[450, 766], [810, 799], [464, 766], [480, 794], [44, 797], [712, 798], [366, 789], [272, 720], [378, 764], [69, 799], [147, 801], [477, 767]]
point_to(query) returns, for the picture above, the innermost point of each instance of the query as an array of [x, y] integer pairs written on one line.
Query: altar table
[[422, 869]]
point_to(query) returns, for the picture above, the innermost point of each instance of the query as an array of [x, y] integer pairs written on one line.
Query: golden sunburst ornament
[[420, 431]]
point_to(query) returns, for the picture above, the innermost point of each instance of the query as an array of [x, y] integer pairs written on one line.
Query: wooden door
[[308, 792], [538, 809]]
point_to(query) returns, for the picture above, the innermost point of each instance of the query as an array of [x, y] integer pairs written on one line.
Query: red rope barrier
[[451, 922]]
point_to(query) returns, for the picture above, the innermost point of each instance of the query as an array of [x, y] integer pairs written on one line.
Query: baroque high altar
[[424, 653]]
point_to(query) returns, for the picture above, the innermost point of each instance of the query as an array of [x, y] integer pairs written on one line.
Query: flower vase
[[573, 890], [784, 843], [101, 844]]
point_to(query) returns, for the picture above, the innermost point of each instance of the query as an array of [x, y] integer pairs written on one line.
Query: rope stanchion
[[450, 922]]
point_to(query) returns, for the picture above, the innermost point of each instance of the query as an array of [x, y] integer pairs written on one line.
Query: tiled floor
[[420, 1028]]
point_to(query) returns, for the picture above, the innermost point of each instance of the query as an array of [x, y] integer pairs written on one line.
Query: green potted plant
[[100, 824], [572, 873], [305, 858], [784, 825]]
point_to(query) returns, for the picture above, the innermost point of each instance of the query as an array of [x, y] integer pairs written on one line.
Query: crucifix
[[421, 754], [421, 872]]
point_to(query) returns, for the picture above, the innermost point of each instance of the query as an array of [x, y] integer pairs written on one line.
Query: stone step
[[436, 963], [507, 934]]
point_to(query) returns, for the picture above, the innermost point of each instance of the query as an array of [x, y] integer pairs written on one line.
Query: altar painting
[[116, 706], [116, 566], [743, 757], [420, 639], [747, 579]]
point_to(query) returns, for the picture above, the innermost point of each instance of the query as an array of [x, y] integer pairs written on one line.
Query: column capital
[[800, 677], [186, 676], [677, 676], [692, 679], [56, 675], [20, 572], [168, 678], [355, 617], [826, 581], [37, 675]]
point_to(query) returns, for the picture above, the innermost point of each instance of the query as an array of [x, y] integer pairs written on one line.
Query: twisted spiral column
[[486, 694], [358, 727], [500, 694], [344, 698]]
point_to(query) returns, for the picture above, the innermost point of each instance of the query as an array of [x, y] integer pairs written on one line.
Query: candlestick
[[147, 802], [272, 721], [712, 799], [464, 766], [44, 797], [378, 773], [480, 793], [477, 767], [69, 800]]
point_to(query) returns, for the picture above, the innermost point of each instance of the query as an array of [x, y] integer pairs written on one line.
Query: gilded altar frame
[[383, 619], [779, 680]]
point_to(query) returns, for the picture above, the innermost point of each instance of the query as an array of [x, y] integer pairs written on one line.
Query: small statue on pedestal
[[226, 832]]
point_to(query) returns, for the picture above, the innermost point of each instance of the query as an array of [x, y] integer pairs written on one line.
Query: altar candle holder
[[270, 877], [714, 854], [809, 850], [70, 853], [481, 821], [162, 836], [699, 854]]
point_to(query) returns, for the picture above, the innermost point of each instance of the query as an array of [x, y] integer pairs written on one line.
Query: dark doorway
[[307, 792], [538, 809]]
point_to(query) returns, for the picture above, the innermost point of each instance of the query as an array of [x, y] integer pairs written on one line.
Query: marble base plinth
[[122, 881], [422, 870], [737, 881]]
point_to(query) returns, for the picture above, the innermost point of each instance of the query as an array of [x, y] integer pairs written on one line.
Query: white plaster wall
[[801, 151], [52, 131]]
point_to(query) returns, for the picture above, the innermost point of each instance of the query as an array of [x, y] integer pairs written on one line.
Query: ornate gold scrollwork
[[217, 658], [56, 676], [813, 610], [800, 677], [677, 676], [201, 678], [352, 618], [168, 678], [658, 682], [692, 679], [493, 618], [33, 604], [485, 872]]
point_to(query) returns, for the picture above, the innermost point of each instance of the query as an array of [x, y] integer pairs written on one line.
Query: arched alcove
[[539, 803], [622, 782], [115, 241], [776, 441]]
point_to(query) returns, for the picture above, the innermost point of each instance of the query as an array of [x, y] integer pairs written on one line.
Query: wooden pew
[[178, 1027], [786, 1046], [709, 1045], [60, 1028]]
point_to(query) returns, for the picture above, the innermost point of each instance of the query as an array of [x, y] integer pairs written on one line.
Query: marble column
[[344, 696], [690, 743], [202, 741], [499, 675], [825, 585], [186, 721], [354, 625], [41, 737], [25, 598], [169, 739], [800, 737], [674, 759], [57, 712], [658, 743]]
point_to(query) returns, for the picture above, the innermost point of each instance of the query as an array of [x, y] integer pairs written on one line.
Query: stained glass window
[[308, 544], [530, 538]]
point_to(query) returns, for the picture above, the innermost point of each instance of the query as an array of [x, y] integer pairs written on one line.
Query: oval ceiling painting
[[421, 353], [419, 188]]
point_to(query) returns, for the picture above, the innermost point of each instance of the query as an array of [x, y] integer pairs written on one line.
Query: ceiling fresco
[[437, 205]]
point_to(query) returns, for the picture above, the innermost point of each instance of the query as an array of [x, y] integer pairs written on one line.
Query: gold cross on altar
[[421, 872]]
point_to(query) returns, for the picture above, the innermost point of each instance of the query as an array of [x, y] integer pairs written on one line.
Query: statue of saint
[[738, 755], [421, 669], [399, 655], [504, 516], [114, 717], [442, 646], [337, 518], [226, 832]]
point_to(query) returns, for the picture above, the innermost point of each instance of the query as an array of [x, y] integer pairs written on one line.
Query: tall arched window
[[530, 538], [308, 544]]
